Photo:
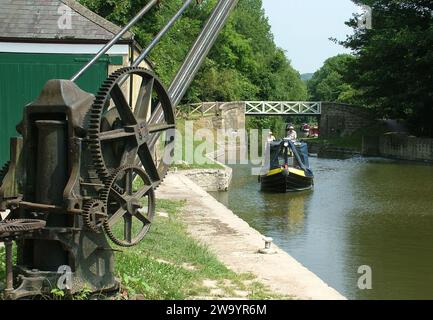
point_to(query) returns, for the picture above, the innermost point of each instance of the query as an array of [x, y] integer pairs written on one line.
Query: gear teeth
[[104, 196], [95, 119], [88, 208], [20, 225]]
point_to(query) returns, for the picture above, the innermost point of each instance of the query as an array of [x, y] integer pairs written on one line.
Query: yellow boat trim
[[274, 172], [297, 172], [291, 170]]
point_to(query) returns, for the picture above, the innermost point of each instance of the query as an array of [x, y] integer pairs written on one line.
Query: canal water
[[376, 213]]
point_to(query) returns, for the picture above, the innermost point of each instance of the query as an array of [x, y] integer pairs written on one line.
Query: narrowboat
[[286, 168]]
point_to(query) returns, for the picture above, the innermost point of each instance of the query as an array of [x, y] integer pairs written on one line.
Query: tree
[[244, 64], [328, 83], [394, 61]]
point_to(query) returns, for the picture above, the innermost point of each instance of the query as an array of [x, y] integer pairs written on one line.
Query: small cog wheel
[[94, 215], [130, 199]]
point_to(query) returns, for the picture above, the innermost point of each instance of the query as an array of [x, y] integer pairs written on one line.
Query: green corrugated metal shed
[[35, 47], [22, 76]]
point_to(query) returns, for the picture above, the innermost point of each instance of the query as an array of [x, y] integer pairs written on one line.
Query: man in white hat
[[291, 134]]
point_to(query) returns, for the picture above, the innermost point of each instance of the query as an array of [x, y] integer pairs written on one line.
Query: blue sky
[[303, 27]]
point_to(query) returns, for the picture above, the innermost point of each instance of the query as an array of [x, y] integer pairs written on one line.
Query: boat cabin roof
[[299, 153]]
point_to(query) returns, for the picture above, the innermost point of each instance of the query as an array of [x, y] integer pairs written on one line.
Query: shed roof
[[42, 20]]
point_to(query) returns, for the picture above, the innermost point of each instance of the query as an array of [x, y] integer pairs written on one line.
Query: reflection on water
[[376, 212]]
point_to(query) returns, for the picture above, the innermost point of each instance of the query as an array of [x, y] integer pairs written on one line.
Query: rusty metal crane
[[85, 168]]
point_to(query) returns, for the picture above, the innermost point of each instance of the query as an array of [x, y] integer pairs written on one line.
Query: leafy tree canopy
[[393, 68], [328, 83], [244, 64]]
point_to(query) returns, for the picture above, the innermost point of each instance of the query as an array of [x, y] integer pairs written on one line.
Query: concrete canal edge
[[398, 146], [210, 179], [236, 244]]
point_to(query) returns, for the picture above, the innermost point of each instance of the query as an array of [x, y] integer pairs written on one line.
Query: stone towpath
[[236, 244]]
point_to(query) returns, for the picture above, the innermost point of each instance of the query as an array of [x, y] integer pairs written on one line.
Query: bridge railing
[[253, 108], [283, 107], [198, 109]]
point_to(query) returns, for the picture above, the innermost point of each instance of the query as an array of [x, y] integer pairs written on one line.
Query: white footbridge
[[256, 108], [267, 108]]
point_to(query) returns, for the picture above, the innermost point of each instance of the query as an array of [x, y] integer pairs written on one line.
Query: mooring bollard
[[268, 244]]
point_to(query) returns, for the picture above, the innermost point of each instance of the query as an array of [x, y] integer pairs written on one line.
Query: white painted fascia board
[[61, 48]]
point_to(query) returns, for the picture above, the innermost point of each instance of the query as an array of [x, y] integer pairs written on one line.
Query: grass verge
[[169, 264]]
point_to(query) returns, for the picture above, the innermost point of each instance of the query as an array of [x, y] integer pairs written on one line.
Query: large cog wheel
[[118, 136], [130, 200]]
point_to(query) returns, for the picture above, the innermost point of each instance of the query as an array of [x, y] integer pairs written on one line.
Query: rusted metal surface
[[9, 230], [9, 267], [46, 208], [14, 227], [3, 171], [112, 122], [44, 183], [85, 168], [94, 214], [129, 206]]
